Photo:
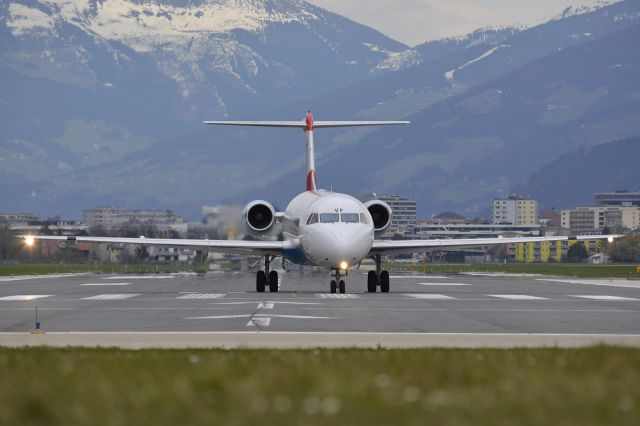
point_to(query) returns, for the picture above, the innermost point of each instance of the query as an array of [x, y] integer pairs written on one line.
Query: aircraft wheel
[[273, 282], [333, 286], [261, 281], [384, 281], [372, 281], [342, 286]]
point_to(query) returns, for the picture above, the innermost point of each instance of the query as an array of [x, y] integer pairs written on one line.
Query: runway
[[223, 309]]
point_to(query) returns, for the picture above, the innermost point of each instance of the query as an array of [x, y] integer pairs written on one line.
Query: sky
[[416, 21]]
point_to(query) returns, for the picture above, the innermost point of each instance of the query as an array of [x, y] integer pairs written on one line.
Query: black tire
[[384, 282], [372, 281], [261, 281], [333, 286], [273, 282], [342, 286]]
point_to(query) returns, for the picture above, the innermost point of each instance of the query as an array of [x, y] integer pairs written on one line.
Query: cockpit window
[[329, 217], [313, 218], [350, 217], [363, 218]]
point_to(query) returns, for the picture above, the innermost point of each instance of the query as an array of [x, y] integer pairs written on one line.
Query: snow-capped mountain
[[220, 54], [102, 107]]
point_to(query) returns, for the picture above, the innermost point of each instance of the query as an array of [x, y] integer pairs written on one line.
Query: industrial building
[[618, 198], [592, 220], [113, 217]]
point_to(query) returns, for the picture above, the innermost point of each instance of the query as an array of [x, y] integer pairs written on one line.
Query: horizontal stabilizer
[[303, 124]]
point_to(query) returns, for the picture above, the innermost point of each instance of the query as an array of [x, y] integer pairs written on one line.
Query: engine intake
[[259, 215], [380, 213]]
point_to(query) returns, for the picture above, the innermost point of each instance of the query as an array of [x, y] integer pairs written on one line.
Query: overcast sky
[[416, 21]]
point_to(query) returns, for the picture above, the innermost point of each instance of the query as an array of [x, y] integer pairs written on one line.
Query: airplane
[[320, 227]]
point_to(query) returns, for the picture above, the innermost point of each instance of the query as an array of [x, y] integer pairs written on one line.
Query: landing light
[[610, 239], [29, 241], [344, 265]]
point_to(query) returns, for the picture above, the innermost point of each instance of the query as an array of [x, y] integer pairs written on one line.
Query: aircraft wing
[[259, 248], [384, 247]]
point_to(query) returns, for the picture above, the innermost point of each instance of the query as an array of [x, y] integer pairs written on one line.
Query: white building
[[515, 210]]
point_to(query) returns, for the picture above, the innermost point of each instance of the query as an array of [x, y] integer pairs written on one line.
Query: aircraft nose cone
[[332, 247]]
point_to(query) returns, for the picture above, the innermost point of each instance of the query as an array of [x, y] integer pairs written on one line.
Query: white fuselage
[[327, 229]]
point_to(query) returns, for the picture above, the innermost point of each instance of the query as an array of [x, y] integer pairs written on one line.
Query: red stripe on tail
[[309, 121], [311, 181]]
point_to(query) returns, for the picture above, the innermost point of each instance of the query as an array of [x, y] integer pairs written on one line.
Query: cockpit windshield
[[335, 217], [329, 217], [349, 217]]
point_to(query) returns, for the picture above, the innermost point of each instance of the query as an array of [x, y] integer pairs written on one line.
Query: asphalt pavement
[[427, 309]]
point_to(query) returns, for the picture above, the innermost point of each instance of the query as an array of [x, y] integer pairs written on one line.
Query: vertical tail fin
[[308, 125], [312, 184]]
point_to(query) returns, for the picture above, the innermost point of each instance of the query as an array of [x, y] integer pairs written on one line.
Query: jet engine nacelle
[[259, 216], [380, 213]]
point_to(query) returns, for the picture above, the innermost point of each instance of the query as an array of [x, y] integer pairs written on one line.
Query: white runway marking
[[499, 274], [40, 277], [418, 277], [201, 296], [260, 315], [603, 297], [337, 296], [610, 282], [443, 284], [104, 284], [25, 297], [140, 277], [517, 297], [111, 296], [429, 296], [265, 305]]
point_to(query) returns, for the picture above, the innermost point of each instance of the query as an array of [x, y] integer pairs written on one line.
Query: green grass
[[561, 269], [62, 268], [598, 385]]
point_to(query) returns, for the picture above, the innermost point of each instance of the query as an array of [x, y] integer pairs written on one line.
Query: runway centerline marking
[[337, 296], [259, 322], [429, 296], [25, 297], [517, 297], [105, 284], [111, 296], [201, 296], [605, 297], [265, 305]]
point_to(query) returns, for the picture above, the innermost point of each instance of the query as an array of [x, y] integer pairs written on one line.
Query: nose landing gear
[[338, 284], [378, 278], [267, 278]]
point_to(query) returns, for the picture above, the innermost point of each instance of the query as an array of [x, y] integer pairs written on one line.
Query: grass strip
[[64, 268], [596, 385]]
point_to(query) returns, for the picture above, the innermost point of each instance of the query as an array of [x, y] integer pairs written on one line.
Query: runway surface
[[224, 310]]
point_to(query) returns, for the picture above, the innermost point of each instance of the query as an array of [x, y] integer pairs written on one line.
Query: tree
[[577, 253], [625, 249]]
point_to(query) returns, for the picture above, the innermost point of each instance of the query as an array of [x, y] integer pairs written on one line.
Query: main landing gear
[[267, 278], [337, 284], [378, 278]]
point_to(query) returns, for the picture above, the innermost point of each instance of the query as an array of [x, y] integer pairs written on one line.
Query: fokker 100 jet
[[319, 227]]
